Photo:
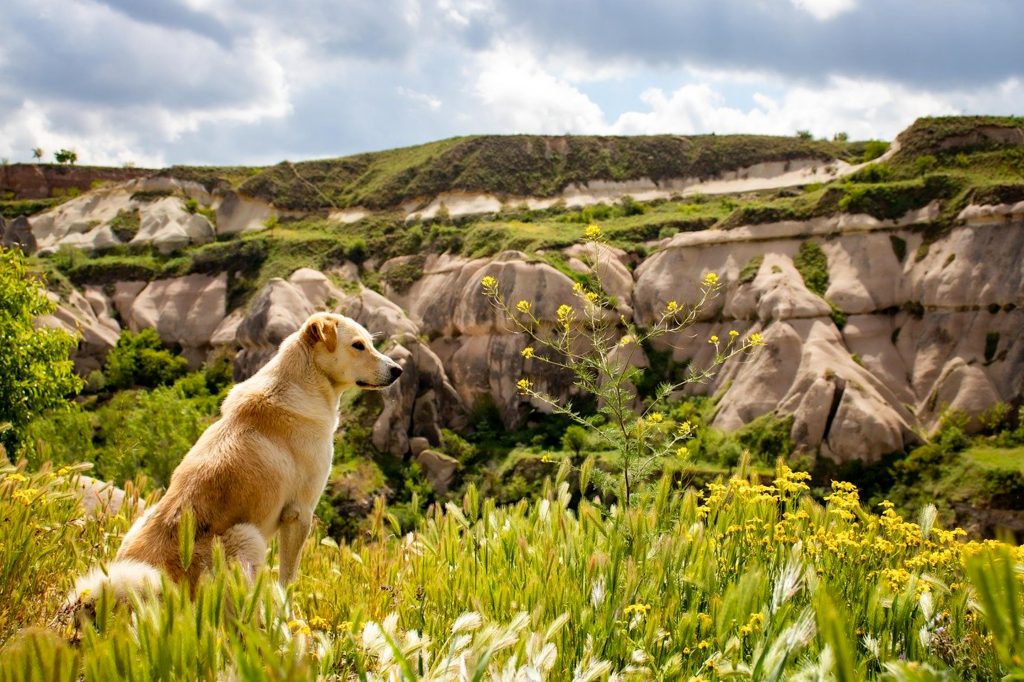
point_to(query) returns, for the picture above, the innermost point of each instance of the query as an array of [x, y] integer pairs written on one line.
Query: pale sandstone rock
[[99, 498], [97, 334], [183, 310], [237, 213], [439, 468], [124, 297]]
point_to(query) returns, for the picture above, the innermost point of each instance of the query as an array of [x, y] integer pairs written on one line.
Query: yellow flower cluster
[[24, 495], [566, 315], [523, 307], [593, 232], [638, 608], [752, 625], [527, 352], [299, 627], [524, 385], [489, 284]]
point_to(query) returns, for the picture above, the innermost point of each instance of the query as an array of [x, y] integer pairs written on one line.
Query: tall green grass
[[740, 580]]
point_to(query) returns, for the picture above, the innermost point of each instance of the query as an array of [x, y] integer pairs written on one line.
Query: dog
[[258, 470]]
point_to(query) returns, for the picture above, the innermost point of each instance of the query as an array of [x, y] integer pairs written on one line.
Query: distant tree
[[36, 373], [575, 439], [37, 153], [804, 134], [66, 156], [841, 136]]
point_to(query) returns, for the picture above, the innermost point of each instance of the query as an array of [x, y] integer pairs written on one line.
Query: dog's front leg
[[295, 523]]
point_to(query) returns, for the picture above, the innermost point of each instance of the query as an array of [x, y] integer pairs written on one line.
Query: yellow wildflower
[[16, 477], [488, 283], [298, 626], [733, 333], [756, 339], [638, 608], [672, 307], [713, 340], [565, 315], [24, 495], [527, 352], [523, 307], [593, 232], [524, 385], [710, 279], [656, 417], [318, 623], [626, 340], [547, 458]]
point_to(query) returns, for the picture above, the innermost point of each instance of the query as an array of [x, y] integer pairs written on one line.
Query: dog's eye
[[359, 345]]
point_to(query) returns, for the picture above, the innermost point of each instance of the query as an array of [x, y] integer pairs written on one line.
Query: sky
[[159, 82]]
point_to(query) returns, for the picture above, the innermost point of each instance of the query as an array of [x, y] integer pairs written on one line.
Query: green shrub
[[403, 275], [456, 446], [873, 149], [767, 437], [125, 225], [812, 264], [140, 360], [575, 440], [750, 270]]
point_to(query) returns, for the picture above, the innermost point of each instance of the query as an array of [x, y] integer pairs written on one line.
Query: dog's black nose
[[396, 372]]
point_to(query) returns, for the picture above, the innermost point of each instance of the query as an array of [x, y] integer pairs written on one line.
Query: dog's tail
[[119, 579]]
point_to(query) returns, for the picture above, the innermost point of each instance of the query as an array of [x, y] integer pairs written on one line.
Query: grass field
[[737, 581]]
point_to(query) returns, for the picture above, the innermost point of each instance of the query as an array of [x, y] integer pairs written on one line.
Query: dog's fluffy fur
[[258, 470]]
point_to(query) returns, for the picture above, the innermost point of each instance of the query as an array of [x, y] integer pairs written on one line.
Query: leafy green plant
[[141, 360], [36, 373]]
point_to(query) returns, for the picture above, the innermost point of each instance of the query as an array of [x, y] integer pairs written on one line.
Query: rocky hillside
[[887, 291]]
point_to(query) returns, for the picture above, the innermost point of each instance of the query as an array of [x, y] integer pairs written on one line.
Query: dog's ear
[[322, 329]]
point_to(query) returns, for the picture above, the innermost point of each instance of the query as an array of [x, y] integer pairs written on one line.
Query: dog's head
[[344, 351]]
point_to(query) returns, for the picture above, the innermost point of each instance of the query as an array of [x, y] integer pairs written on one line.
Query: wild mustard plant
[[601, 350]]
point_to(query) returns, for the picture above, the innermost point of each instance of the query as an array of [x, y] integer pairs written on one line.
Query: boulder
[[97, 333], [439, 468], [18, 233], [418, 445], [99, 498], [183, 310], [237, 213]]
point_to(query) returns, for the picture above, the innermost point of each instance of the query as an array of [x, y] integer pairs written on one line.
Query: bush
[[873, 149], [125, 225], [750, 270], [140, 360], [575, 440], [812, 264]]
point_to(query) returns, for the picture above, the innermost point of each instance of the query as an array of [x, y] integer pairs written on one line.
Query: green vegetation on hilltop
[[509, 166]]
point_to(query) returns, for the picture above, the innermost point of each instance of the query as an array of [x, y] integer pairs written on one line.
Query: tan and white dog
[[259, 470]]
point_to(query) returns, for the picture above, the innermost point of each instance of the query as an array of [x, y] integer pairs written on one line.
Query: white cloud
[[518, 94], [823, 10], [97, 143], [420, 98], [864, 109]]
